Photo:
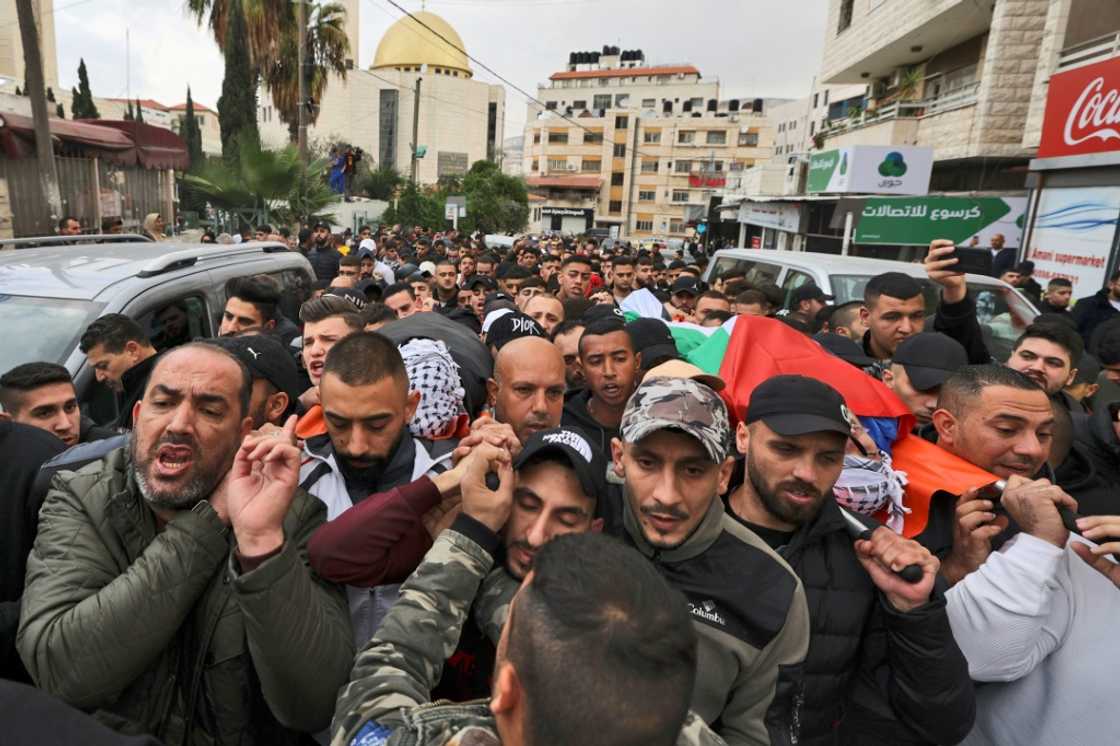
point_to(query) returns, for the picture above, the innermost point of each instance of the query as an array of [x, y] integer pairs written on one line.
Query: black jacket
[[1090, 312], [873, 675], [577, 414], [133, 382], [325, 262], [958, 320], [1044, 306], [25, 448], [1091, 473]]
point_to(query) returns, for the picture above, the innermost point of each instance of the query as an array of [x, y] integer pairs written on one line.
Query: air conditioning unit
[[571, 167]]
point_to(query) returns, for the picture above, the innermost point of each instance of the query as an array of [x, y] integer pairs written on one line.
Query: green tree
[[191, 133], [81, 102], [60, 111], [237, 107], [139, 111], [128, 115], [326, 53], [416, 207], [496, 203], [379, 183]]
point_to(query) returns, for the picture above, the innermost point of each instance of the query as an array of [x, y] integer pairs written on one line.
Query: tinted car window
[[177, 322], [794, 279], [43, 329]]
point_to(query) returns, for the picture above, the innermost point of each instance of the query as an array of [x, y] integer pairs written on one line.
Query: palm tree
[[264, 22], [326, 53]]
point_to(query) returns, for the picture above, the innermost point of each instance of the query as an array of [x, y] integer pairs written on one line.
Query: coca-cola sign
[[1083, 111]]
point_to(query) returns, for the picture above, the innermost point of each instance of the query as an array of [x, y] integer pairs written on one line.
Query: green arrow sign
[[917, 221]]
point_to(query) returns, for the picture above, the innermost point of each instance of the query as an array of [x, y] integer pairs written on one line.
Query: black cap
[[266, 358], [677, 264], [809, 291], [513, 326], [652, 338], [796, 405], [353, 295], [603, 311], [587, 460], [483, 280], [929, 358], [406, 269], [844, 348], [687, 284]]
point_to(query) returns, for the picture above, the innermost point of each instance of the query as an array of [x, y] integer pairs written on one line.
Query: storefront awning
[[17, 139], [156, 147]]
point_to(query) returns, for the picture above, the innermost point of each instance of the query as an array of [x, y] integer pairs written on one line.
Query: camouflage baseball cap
[[678, 404]]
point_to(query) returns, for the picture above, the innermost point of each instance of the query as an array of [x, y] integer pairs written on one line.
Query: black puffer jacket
[[884, 676], [1089, 313], [1091, 473], [325, 262]]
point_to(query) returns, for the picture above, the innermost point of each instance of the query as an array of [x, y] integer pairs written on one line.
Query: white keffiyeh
[[867, 485], [433, 373]]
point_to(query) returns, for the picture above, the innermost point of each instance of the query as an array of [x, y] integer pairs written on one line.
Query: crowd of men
[[456, 496]]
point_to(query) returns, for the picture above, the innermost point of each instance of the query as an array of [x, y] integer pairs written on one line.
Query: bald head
[[527, 390]]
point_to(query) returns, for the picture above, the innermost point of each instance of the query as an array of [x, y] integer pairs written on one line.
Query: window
[[549, 105], [536, 165], [736, 166], [649, 103], [622, 99], [717, 137], [643, 226], [680, 195], [676, 226], [812, 128], [589, 165], [781, 127], [815, 101], [749, 139], [647, 196], [846, 7], [696, 102], [793, 125], [649, 166], [651, 136], [794, 280], [578, 104], [181, 321], [826, 98], [717, 165], [592, 138], [682, 167], [621, 123], [601, 101], [560, 138], [557, 164], [614, 207], [686, 137], [620, 150], [536, 134], [617, 178]]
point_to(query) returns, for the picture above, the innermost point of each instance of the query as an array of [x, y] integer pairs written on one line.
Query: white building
[[11, 47], [460, 120]]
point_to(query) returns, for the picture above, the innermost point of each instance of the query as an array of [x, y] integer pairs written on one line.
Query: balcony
[[1090, 52], [949, 101]]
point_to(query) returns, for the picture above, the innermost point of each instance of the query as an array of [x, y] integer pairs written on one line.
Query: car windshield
[[47, 328], [1002, 313]]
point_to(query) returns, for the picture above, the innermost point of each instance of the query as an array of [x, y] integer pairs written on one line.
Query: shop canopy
[[122, 143]]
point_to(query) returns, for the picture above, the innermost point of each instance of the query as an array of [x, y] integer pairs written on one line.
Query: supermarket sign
[[871, 169], [963, 220], [1082, 111]]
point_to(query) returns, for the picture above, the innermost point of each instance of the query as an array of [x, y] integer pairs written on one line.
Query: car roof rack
[[175, 260], [44, 241]]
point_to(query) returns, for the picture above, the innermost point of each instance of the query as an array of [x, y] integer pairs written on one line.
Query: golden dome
[[408, 44]]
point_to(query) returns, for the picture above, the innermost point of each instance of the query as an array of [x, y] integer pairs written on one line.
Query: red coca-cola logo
[[1083, 111]]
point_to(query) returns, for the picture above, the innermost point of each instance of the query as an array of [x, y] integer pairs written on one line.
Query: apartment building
[[636, 148]]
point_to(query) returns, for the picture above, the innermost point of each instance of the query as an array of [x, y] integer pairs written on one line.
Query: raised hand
[[973, 530], [939, 270], [260, 487], [489, 507], [1033, 503], [884, 554]]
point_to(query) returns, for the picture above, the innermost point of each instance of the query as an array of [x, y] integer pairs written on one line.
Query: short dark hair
[[245, 390], [260, 291], [602, 327], [598, 613], [1059, 282], [566, 327], [108, 224], [645, 260], [844, 314], [714, 295], [400, 287], [893, 285], [1088, 370], [575, 259], [364, 358], [1108, 348], [750, 297], [377, 313], [961, 388], [445, 262], [113, 331], [324, 307], [351, 260], [28, 377], [63, 221], [1061, 334], [264, 227], [488, 259], [719, 314], [623, 261]]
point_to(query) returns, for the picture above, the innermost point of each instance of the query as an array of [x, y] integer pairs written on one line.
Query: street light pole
[[302, 64], [415, 127]]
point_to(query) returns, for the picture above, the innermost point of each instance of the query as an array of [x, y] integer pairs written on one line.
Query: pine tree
[[128, 115], [60, 111], [139, 111], [192, 133], [50, 95], [237, 107], [81, 105]]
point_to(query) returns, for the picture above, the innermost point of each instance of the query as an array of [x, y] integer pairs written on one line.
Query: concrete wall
[[11, 48]]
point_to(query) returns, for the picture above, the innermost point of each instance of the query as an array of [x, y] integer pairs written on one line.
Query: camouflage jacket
[[386, 701]]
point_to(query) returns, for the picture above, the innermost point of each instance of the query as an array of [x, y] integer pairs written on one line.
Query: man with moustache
[[180, 552], [882, 667]]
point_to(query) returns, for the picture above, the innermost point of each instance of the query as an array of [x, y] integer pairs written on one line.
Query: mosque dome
[[408, 44]]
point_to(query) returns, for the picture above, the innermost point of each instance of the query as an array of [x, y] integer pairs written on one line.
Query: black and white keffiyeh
[[433, 372]]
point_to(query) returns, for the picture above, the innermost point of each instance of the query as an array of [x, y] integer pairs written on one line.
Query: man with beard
[[566, 337], [610, 367], [368, 448], [324, 257], [178, 553], [882, 666], [275, 377]]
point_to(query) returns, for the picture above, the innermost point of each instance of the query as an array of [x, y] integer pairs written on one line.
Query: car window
[[47, 329], [794, 279], [177, 322], [757, 273], [295, 288]]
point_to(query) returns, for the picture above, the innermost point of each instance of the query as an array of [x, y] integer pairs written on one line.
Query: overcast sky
[[755, 48]]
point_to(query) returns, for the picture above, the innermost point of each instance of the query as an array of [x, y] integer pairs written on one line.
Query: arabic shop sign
[[871, 169], [964, 220]]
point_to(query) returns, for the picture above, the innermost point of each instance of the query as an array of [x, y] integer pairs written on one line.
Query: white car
[[1002, 310]]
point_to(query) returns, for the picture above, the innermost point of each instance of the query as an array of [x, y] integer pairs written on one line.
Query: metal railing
[[956, 99], [1088, 52]]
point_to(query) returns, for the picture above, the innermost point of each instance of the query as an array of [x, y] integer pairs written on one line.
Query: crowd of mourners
[[462, 494]]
